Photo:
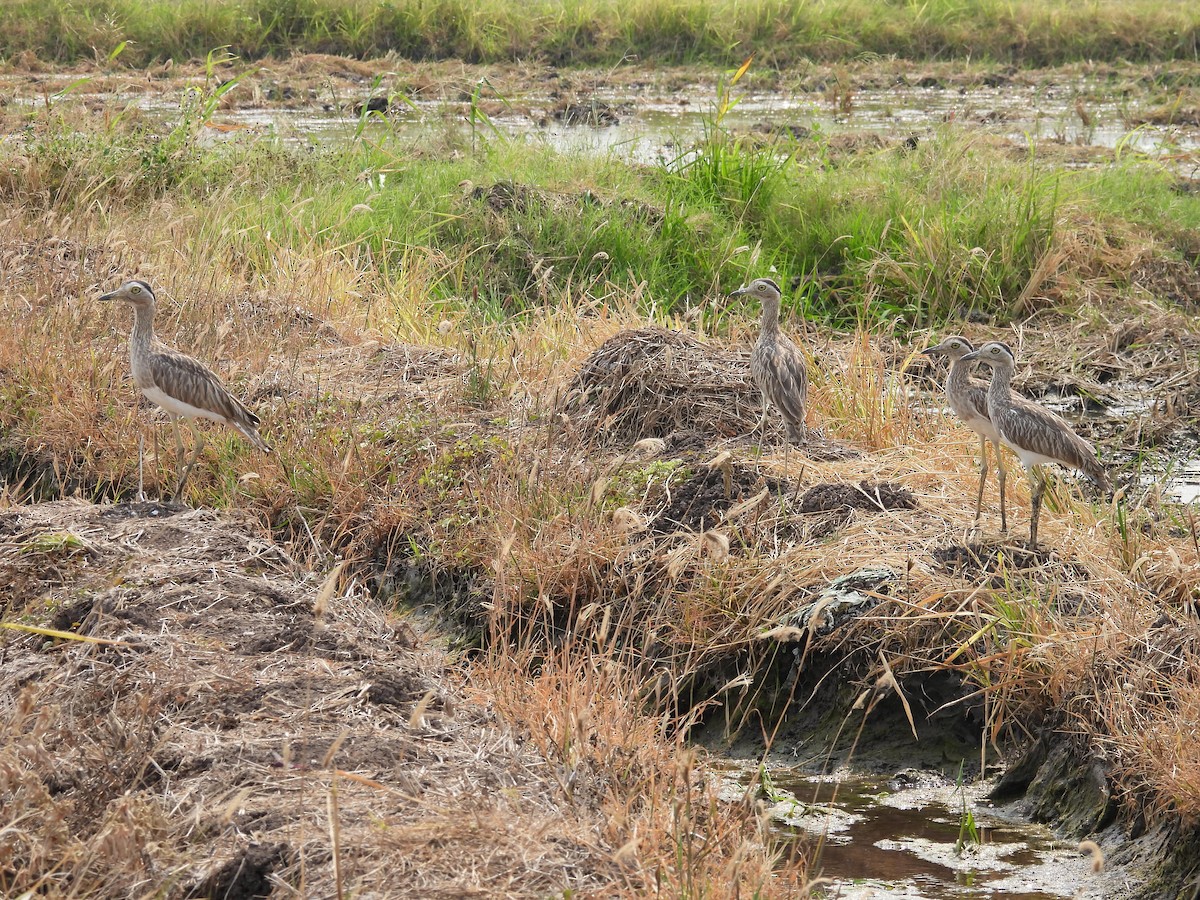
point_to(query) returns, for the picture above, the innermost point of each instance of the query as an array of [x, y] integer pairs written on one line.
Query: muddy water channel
[[919, 835]]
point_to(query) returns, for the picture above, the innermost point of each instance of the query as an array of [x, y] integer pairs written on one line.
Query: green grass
[[781, 32], [959, 224]]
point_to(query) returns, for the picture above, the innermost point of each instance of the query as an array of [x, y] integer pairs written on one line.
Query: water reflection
[[905, 838]]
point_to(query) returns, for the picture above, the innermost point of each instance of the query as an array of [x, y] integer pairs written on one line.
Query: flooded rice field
[[648, 127], [654, 116]]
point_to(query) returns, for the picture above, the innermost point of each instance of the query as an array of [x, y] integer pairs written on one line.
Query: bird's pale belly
[[177, 407]]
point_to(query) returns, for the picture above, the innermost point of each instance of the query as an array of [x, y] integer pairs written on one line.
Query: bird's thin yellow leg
[[178, 454], [761, 425], [1039, 485], [1001, 474], [141, 494], [983, 470], [197, 447]]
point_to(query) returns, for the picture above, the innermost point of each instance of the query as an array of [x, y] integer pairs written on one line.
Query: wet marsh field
[[1080, 112], [519, 584]]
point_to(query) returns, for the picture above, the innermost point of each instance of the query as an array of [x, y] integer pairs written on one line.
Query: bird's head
[[135, 292], [760, 288], [996, 354], [954, 346]]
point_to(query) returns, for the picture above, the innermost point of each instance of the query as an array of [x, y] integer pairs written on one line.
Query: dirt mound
[[864, 495], [588, 112], [215, 732], [702, 501], [651, 382]]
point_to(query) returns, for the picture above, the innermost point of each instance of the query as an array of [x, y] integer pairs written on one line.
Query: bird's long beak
[[930, 351], [111, 296], [970, 357], [739, 292]]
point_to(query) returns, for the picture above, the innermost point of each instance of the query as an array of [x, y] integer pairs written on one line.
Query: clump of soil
[[868, 495], [592, 112], [504, 195], [996, 562], [990, 557], [226, 705], [651, 382], [702, 501]]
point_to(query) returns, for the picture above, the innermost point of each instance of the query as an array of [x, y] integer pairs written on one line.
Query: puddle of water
[[880, 839], [655, 126], [1182, 483]]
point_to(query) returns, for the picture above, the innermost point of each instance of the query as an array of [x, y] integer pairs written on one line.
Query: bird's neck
[[770, 316], [142, 336], [959, 378], [1000, 388]]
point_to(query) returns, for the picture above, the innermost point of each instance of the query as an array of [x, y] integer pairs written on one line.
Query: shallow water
[[1182, 484], [880, 838], [656, 128]]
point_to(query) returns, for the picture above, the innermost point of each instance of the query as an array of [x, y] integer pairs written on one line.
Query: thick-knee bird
[[1035, 434], [968, 399], [776, 363], [183, 387]]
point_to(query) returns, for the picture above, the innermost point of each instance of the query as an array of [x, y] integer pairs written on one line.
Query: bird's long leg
[[983, 470], [198, 446], [141, 494], [1001, 474], [761, 425], [178, 453], [1039, 485]]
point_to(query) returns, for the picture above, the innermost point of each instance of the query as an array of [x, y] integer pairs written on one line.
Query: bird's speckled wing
[[1037, 429], [780, 370], [191, 382]]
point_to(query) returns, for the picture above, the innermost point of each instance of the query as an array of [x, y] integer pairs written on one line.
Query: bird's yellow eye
[[137, 290]]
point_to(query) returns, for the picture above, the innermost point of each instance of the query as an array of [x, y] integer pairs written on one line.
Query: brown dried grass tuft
[[654, 382]]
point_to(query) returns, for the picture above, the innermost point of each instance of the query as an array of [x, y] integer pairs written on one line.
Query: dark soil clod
[[246, 876], [593, 112], [874, 496], [990, 557], [702, 501]]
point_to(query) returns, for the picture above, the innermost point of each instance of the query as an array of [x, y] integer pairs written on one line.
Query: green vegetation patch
[[958, 224], [781, 32]]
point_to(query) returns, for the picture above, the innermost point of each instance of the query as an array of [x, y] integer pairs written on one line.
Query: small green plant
[[631, 485], [55, 543], [968, 831]]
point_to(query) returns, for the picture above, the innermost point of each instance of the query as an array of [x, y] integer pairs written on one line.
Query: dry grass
[[249, 724], [592, 797], [439, 453]]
